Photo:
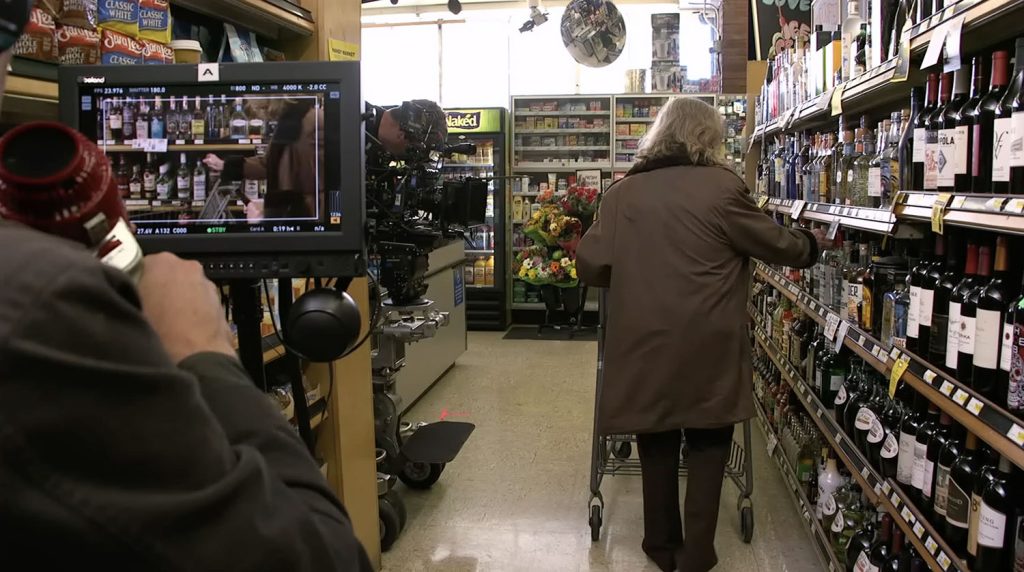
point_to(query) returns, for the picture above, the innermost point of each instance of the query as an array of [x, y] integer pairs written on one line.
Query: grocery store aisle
[[516, 498]]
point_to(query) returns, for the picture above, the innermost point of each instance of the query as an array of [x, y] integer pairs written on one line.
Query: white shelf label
[[975, 406], [929, 376], [918, 529], [1016, 434], [907, 515], [960, 396], [943, 560], [895, 498], [958, 202], [864, 472], [1015, 206], [895, 353], [841, 335], [946, 388], [878, 489], [886, 487], [773, 441], [831, 324], [931, 545], [798, 207]]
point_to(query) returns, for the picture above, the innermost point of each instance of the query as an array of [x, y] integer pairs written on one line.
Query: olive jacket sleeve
[[110, 453]]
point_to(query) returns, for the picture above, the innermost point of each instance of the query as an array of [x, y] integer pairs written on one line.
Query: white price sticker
[[943, 560], [819, 414], [1016, 433], [886, 487], [839, 437], [831, 324], [864, 472], [931, 545], [960, 396], [833, 230], [1015, 206], [878, 489], [907, 515], [155, 146], [860, 340], [841, 334], [929, 376], [895, 498], [975, 406], [772, 442], [946, 388], [895, 353], [958, 202], [798, 208], [918, 529]]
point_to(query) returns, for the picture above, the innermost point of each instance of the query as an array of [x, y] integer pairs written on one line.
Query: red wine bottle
[[967, 121], [880, 548], [926, 303], [1017, 144], [921, 129], [922, 478], [981, 482], [984, 130], [947, 457], [932, 159], [916, 278], [931, 464], [858, 551], [956, 301], [968, 318], [958, 501], [988, 377], [1003, 136], [949, 276], [997, 520], [899, 559], [905, 462], [952, 156]]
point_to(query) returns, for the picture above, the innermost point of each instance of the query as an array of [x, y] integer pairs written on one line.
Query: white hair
[[685, 128]]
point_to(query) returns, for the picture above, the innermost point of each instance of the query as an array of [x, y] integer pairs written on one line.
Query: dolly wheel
[[421, 476], [595, 523], [390, 523], [398, 503], [747, 523]]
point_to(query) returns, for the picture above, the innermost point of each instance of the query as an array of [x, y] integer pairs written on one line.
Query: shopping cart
[[612, 455]]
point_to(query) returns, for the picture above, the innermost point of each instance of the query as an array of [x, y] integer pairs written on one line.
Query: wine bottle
[[921, 128], [947, 457], [997, 521], [926, 305], [988, 377], [848, 392], [880, 548], [908, 440], [984, 130], [935, 123], [952, 158], [981, 482], [968, 318], [939, 439], [836, 364], [888, 454], [1017, 144], [1003, 135], [958, 501], [1015, 392], [916, 278], [898, 560], [859, 546], [949, 277], [865, 418], [956, 300], [922, 479], [967, 119]]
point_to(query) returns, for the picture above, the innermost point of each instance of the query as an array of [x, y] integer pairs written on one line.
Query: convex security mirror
[[593, 31]]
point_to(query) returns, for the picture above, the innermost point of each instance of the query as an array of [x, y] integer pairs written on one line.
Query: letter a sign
[[209, 72]]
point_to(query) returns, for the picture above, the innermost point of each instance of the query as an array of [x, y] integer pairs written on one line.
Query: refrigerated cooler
[[485, 274]]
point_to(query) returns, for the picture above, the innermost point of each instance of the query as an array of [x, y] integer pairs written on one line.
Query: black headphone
[[14, 15]]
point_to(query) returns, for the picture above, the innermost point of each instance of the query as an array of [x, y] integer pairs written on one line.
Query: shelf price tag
[[946, 388], [841, 334], [762, 201], [773, 441], [886, 487], [918, 529], [943, 560], [836, 100], [958, 202], [975, 406], [831, 325], [1015, 206], [931, 545], [833, 230], [939, 211], [1016, 434], [929, 376], [798, 207], [897, 372], [907, 515], [895, 498], [960, 397]]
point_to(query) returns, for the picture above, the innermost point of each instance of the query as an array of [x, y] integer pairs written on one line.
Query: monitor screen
[[243, 158]]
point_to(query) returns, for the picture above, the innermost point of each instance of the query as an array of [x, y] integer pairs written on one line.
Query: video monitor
[[256, 170]]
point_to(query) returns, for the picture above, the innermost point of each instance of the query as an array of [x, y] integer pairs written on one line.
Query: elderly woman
[[673, 244]]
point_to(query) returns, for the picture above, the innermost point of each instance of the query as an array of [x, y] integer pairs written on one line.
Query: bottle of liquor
[[916, 279], [940, 437], [198, 120], [968, 318], [854, 275], [867, 423], [142, 120], [948, 455], [225, 118], [862, 168], [123, 177], [998, 517], [836, 365], [867, 305], [844, 167], [184, 180], [957, 299], [858, 551], [921, 108], [808, 179], [103, 120], [172, 120], [967, 120], [185, 121], [935, 290], [164, 183], [935, 123], [981, 481], [984, 129], [924, 436], [958, 502], [851, 33], [116, 120], [857, 401], [951, 146], [149, 178], [847, 391], [135, 182], [128, 115], [1015, 320], [889, 159], [898, 560], [904, 157], [988, 378], [257, 124], [1003, 134], [825, 177], [1017, 144], [157, 120], [199, 180], [212, 120], [240, 124]]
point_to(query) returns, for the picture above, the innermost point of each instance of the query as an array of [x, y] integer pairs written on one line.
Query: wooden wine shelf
[[881, 492], [992, 424]]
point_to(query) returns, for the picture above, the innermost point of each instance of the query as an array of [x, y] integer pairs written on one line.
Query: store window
[[474, 64], [400, 63]]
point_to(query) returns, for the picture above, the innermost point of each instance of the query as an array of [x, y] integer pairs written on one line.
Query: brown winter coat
[[674, 246]]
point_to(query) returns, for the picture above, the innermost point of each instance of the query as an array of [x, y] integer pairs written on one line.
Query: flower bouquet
[[538, 225], [580, 202], [534, 266]]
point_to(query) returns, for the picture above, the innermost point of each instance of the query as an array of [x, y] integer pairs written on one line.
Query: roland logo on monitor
[[93, 79], [463, 120]]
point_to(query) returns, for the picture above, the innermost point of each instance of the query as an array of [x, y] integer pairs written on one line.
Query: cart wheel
[[421, 476], [747, 523], [390, 523], [622, 450], [398, 503], [595, 523]]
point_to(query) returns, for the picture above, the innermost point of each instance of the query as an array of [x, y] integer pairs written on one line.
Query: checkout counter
[[426, 361]]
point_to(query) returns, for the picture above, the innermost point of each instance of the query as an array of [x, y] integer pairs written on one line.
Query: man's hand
[[183, 307], [213, 162], [823, 242]]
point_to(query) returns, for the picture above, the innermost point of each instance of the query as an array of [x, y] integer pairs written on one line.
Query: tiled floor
[[516, 498]]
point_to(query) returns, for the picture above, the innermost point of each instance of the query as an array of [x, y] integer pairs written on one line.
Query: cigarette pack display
[[78, 46], [120, 49], [39, 40], [155, 20], [79, 13], [120, 16]]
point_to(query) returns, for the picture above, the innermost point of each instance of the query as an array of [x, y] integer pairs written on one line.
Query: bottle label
[[953, 339], [926, 306], [905, 463], [866, 309], [841, 396], [972, 529], [876, 432], [864, 564], [839, 522], [1006, 347], [163, 191], [890, 447], [960, 142], [828, 505], [198, 127], [991, 527], [865, 417], [937, 343], [836, 382], [944, 158], [853, 302], [1017, 140], [958, 505], [135, 188], [968, 325], [919, 142], [149, 181], [931, 160], [920, 452], [914, 314], [142, 129], [1001, 139], [252, 189], [115, 122], [987, 339], [1015, 395], [928, 478], [184, 183], [941, 489], [817, 380], [199, 188], [874, 182]]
